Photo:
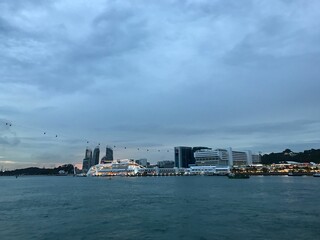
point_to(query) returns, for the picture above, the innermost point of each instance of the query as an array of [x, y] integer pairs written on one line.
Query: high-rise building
[[86, 164], [109, 153], [108, 158], [183, 156], [95, 156], [88, 153]]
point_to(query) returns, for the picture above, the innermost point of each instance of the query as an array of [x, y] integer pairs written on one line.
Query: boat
[[295, 174], [316, 175], [80, 175], [62, 173], [215, 174], [238, 176], [121, 167]]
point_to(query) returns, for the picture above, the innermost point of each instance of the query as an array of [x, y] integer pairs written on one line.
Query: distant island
[[312, 155], [64, 169]]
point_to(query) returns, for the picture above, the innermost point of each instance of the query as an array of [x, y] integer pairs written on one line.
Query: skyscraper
[[86, 164], [108, 157], [183, 156], [95, 157]]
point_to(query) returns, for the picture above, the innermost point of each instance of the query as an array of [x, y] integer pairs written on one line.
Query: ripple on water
[[159, 208]]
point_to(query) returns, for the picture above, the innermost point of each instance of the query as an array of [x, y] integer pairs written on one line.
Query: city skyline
[[155, 75]]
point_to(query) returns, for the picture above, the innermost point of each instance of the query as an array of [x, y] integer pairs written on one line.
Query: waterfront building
[[240, 158], [86, 164], [256, 158], [108, 158], [225, 157], [206, 157], [142, 161], [165, 164], [95, 156], [183, 156]]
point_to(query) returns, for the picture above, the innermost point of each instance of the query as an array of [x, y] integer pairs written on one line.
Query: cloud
[[7, 162], [5, 27], [9, 139], [166, 73]]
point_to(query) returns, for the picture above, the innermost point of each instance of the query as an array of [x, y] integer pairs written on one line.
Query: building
[[109, 153], [108, 158], [95, 156], [86, 164], [183, 156], [256, 158], [206, 157], [165, 164], [240, 158], [143, 162], [225, 157]]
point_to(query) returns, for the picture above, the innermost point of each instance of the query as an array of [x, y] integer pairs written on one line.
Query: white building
[[225, 157]]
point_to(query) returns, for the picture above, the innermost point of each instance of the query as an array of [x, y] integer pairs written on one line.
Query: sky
[[156, 74]]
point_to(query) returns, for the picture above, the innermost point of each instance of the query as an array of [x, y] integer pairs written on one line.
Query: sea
[[180, 207]]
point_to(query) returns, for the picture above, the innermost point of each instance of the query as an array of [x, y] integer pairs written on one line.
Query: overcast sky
[[156, 74]]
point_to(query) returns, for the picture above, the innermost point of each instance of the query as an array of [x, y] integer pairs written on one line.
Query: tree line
[[312, 155], [67, 168]]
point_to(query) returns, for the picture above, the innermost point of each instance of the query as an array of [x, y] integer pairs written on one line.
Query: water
[[199, 207]]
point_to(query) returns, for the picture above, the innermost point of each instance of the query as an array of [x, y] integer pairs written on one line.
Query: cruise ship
[[116, 167]]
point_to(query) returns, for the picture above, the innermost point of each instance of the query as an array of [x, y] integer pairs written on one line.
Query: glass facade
[[86, 164], [95, 157], [108, 158], [183, 156]]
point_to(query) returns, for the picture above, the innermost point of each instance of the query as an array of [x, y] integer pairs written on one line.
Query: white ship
[[116, 167]]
